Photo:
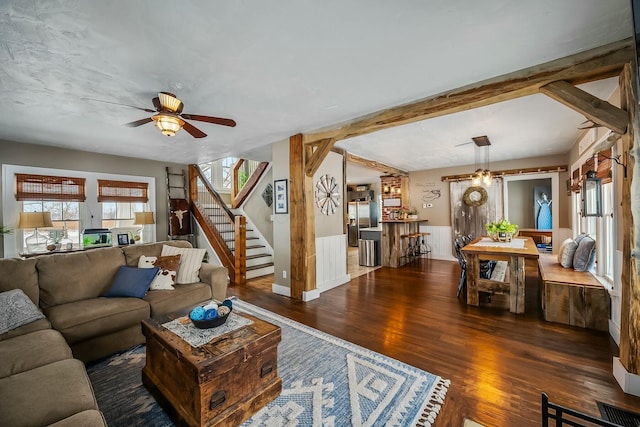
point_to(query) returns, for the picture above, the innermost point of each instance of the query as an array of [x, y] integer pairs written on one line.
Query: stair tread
[[255, 246], [248, 238], [258, 256], [259, 266]]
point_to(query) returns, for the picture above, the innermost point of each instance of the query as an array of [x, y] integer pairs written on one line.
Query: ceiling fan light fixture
[[169, 101], [167, 124]]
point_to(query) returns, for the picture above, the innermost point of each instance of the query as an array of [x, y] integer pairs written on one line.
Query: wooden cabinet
[[571, 297], [364, 195], [576, 305]]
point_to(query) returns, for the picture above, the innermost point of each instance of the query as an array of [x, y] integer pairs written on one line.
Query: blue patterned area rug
[[326, 381]]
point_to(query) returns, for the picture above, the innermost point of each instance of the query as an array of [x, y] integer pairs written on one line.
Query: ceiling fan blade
[[208, 119], [194, 131], [156, 103], [139, 122], [148, 110]]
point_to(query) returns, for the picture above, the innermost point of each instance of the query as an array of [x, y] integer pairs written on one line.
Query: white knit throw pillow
[[190, 262]]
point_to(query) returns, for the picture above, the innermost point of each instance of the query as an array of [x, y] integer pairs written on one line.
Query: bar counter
[[394, 240]]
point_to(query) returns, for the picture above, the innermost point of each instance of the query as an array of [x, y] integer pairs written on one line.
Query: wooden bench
[[572, 297]]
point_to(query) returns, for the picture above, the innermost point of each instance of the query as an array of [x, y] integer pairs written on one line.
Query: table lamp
[[143, 218], [36, 242]]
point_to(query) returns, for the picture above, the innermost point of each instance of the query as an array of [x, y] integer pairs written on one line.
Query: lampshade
[[35, 220], [169, 100], [143, 218], [168, 124]]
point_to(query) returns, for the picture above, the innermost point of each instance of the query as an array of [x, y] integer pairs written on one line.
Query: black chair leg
[[462, 284]]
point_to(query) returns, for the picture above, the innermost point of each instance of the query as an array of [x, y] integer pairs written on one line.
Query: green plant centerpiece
[[501, 231]]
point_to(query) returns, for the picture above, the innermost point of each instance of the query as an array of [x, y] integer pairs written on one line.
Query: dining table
[[513, 253]]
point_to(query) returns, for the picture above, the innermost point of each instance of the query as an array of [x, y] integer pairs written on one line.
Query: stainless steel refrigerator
[[361, 215]]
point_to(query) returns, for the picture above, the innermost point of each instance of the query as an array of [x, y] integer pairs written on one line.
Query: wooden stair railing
[[238, 196], [226, 232]]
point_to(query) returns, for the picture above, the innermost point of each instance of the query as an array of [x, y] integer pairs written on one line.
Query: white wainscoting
[[331, 262], [441, 241]]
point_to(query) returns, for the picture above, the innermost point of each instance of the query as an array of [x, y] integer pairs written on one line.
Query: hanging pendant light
[[483, 173]]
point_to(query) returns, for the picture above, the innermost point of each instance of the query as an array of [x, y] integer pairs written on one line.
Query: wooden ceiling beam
[[592, 107], [521, 171], [315, 157], [372, 164], [590, 65]]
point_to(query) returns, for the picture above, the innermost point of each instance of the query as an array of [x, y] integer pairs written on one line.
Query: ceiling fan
[[170, 119]]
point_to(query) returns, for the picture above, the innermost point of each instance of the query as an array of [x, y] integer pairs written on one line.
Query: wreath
[[475, 196]]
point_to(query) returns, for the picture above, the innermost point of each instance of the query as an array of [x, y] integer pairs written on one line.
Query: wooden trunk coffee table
[[221, 383]]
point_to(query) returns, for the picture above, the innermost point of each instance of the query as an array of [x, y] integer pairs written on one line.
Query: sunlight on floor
[[353, 268]]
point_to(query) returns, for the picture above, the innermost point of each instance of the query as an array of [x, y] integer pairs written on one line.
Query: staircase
[[259, 260], [240, 248]]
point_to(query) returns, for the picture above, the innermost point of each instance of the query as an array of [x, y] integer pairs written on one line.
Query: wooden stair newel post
[[630, 281], [240, 258], [302, 220]]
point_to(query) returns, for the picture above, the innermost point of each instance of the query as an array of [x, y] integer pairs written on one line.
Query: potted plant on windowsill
[[501, 231]]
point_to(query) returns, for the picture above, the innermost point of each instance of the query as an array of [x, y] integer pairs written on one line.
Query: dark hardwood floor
[[498, 362]]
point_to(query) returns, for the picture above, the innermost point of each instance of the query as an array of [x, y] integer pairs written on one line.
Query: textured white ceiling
[[283, 67]]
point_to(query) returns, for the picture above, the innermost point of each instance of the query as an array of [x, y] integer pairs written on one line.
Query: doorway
[[532, 202]]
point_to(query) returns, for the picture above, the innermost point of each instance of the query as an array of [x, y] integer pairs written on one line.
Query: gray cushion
[[567, 252], [17, 310], [579, 237], [585, 256]]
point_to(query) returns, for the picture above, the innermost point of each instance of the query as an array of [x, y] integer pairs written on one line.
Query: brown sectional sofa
[[40, 381]]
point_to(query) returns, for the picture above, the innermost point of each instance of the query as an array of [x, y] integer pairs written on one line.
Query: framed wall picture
[[392, 202], [281, 196], [123, 239]]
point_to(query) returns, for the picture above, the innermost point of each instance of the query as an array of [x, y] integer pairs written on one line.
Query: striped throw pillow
[[190, 262]]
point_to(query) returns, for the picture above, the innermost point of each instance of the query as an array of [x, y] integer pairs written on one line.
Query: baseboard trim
[[310, 295], [281, 290], [286, 291], [334, 283], [630, 383], [614, 331]]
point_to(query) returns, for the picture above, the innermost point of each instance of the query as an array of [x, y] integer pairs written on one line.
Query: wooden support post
[[630, 281], [302, 219]]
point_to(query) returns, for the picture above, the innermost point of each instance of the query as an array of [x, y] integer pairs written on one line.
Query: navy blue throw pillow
[[132, 282]]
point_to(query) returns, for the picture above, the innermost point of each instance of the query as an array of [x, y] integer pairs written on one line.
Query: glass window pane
[[31, 206], [55, 208], [108, 210], [70, 211]]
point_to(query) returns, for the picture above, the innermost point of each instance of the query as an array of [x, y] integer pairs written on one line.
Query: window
[[119, 200], [120, 214], [61, 196], [600, 228]]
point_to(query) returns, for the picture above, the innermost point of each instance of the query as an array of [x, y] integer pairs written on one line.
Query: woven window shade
[[122, 191], [44, 187], [603, 170]]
